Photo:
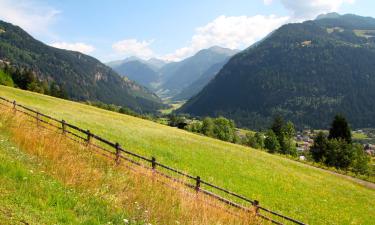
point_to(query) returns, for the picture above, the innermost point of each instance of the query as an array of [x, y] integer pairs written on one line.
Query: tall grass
[[140, 193]]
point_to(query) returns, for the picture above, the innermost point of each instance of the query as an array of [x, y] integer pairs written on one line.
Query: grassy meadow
[[289, 187], [46, 178]]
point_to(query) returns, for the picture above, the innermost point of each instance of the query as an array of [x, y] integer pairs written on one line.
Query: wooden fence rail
[[121, 153]]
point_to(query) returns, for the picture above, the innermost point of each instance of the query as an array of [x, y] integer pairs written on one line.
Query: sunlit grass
[[69, 184], [292, 188]]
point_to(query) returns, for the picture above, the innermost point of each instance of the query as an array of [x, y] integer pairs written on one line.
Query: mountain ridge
[[82, 77], [306, 72]]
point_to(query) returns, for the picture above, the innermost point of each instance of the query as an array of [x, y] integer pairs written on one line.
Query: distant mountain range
[[306, 72], [175, 80], [81, 76]]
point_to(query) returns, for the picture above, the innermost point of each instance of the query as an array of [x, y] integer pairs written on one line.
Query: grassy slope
[[27, 194], [314, 196]]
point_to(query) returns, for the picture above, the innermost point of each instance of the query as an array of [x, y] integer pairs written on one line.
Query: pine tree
[[340, 129]]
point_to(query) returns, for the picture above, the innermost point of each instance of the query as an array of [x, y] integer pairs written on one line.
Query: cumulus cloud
[[308, 9], [34, 18], [133, 47], [79, 47], [229, 31]]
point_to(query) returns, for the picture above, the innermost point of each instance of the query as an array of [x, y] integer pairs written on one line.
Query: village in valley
[[305, 139]]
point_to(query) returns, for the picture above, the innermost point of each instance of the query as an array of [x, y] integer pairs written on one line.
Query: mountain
[[179, 75], [81, 76], [306, 72], [177, 80], [195, 87], [138, 71], [156, 63], [116, 63]]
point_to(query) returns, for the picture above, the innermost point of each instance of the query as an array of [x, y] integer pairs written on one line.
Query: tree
[[286, 139], [288, 130], [361, 162], [208, 127], [288, 146], [195, 127], [224, 129], [255, 140], [340, 129], [340, 154], [277, 126], [271, 142], [285, 133], [319, 149]]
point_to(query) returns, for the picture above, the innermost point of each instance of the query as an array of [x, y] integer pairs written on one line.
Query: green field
[[292, 188], [30, 196]]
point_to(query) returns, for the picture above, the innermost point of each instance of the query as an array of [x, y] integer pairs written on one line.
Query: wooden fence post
[[198, 183], [117, 159], [153, 163], [37, 119], [88, 137], [14, 105], [256, 206], [63, 126]]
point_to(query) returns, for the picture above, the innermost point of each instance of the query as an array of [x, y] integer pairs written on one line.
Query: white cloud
[[34, 18], [267, 2], [79, 47], [229, 31], [309, 9], [133, 47]]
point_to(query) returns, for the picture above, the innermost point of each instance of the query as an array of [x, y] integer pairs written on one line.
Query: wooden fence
[[119, 153]]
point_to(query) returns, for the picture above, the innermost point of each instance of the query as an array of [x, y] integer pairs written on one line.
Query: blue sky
[[168, 29]]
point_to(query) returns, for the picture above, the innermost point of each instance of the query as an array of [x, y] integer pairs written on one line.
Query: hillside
[[179, 75], [82, 77], [307, 72], [48, 179], [305, 193]]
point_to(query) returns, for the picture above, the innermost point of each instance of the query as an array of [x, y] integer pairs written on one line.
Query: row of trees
[[220, 128], [26, 79], [338, 150], [279, 138]]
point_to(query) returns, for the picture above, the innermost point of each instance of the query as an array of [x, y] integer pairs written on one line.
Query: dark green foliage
[[301, 72], [224, 129], [336, 151], [80, 76], [208, 127], [277, 126], [340, 129], [317, 150], [339, 153], [271, 143], [220, 128], [27, 80], [284, 133], [177, 121], [255, 140], [195, 127], [361, 162]]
